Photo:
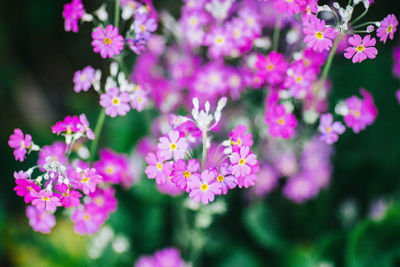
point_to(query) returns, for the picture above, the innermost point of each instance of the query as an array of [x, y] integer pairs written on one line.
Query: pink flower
[[69, 125], [169, 188], [272, 67], [281, 123], [69, 198], [87, 219], [300, 188], [21, 175], [361, 113], [168, 257], [288, 6], [143, 24], [46, 200], [107, 41], [20, 143], [240, 138], [72, 13], [40, 220], [139, 100], [84, 127], [104, 199], [56, 151], [387, 28], [225, 178], [318, 36], [172, 146], [157, 168], [398, 95], [243, 161], [267, 180], [113, 167], [182, 173], [300, 80], [362, 48], [83, 79], [27, 189], [115, 102], [218, 42], [85, 180], [204, 187], [396, 60], [330, 130]]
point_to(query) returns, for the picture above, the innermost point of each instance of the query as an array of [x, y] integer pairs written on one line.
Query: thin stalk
[[361, 16], [116, 14], [276, 34], [97, 132], [204, 154], [364, 24]]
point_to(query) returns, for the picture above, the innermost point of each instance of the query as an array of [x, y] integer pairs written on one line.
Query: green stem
[[277, 32], [361, 16], [204, 154], [116, 14], [363, 24], [97, 132]]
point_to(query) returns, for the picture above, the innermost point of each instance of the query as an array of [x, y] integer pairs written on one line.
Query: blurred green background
[[37, 62]]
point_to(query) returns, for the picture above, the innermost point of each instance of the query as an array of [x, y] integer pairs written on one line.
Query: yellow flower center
[[236, 33], [30, 188], [159, 166], [45, 198], [140, 100], [99, 201], [142, 28], [360, 48], [220, 178], [84, 178], [115, 101], [356, 113], [173, 146], [193, 21], [109, 170], [66, 194], [390, 29], [83, 77], [270, 67], [107, 41], [220, 40], [242, 162], [319, 35], [299, 79], [308, 10], [204, 187], [86, 217], [281, 121], [328, 129], [306, 62], [239, 142], [186, 174], [250, 21], [22, 144], [68, 130]]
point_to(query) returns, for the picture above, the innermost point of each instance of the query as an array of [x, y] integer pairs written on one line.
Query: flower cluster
[[167, 257]]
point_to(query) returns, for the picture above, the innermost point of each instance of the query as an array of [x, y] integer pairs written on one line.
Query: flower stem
[[204, 154], [361, 16], [97, 132], [116, 14], [276, 34]]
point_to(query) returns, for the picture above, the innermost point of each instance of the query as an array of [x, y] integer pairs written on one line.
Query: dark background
[[37, 62]]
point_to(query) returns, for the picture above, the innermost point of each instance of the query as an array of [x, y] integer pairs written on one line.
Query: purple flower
[[83, 79], [27, 189], [168, 257], [46, 200], [88, 219], [240, 138], [387, 28], [104, 199], [172, 145], [361, 49], [107, 41], [288, 6], [40, 220], [72, 13], [83, 126], [300, 188], [281, 123], [113, 167], [225, 178], [267, 180], [20, 143], [330, 130], [204, 187], [143, 24], [272, 67], [181, 172], [69, 125], [115, 102], [218, 42], [85, 180], [68, 198], [157, 168]]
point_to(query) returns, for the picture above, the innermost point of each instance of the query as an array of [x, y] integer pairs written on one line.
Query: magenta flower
[[396, 60], [40, 220], [273, 67], [330, 130], [181, 172], [168, 257], [300, 188], [113, 167], [240, 138], [88, 219], [115, 102], [169, 188], [83, 79], [318, 36], [21, 175], [104, 199], [143, 24], [300, 80], [84, 127], [288, 6], [398, 96], [204, 187], [362, 48], [69, 125], [107, 41], [158, 168], [172, 145], [243, 161], [20, 144], [361, 113], [69, 198], [387, 28], [267, 180], [46, 200], [56, 151], [225, 178], [72, 13], [27, 189], [85, 180], [281, 123], [218, 42]]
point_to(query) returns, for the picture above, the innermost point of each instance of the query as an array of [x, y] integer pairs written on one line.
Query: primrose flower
[[318, 36], [203, 119], [27, 189], [288, 6], [68, 198], [243, 161], [204, 187], [20, 143], [40, 220], [172, 145], [69, 125], [361, 48], [84, 127], [330, 130], [168, 257], [139, 100], [86, 179], [104, 199], [267, 180], [218, 42], [158, 168], [113, 167], [56, 151], [281, 123], [87, 219], [387, 28], [225, 178], [273, 67], [300, 188], [46, 200], [182, 172], [72, 13], [83, 79], [107, 41], [240, 138], [143, 24], [115, 102]]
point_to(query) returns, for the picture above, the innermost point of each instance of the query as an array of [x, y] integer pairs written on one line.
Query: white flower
[[202, 118]]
